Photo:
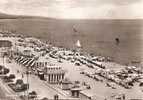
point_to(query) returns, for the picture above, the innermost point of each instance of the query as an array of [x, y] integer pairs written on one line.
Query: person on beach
[[117, 41], [17, 71], [22, 75]]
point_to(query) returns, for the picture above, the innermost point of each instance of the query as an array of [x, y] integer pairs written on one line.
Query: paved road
[[2, 94], [43, 90], [98, 88]]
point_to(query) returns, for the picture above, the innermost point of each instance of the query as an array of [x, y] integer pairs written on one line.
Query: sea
[[96, 36]]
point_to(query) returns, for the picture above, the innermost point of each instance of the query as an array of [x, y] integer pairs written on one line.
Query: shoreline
[[89, 33], [131, 62], [73, 60]]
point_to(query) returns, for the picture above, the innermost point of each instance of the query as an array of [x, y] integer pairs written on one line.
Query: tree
[[11, 76], [33, 94], [141, 84], [6, 70], [20, 86], [19, 81], [1, 67], [77, 82], [5, 77], [24, 87]]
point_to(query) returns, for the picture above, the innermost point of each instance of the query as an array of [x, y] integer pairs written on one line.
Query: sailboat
[[117, 40], [78, 47], [78, 44]]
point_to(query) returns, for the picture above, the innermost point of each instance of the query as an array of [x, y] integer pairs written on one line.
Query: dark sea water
[[96, 36]]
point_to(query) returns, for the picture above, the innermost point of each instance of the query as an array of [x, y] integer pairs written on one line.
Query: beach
[[71, 50], [87, 71]]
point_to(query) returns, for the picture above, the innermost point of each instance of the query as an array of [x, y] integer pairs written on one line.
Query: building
[[41, 63], [85, 95], [88, 95], [4, 51], [5, 43], [54, 74], [75, 92], [66, 84]]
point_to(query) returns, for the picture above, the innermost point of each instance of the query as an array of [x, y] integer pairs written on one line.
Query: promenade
[[40, 86], [99, 89]]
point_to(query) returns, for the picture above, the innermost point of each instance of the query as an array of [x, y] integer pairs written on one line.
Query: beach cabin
[[75, 92]]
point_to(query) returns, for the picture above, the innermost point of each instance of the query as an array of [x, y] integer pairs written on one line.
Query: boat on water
[[117, 40], [78, 44], [135, 62]]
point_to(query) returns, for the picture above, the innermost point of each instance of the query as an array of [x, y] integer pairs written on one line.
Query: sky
[[75, 9]]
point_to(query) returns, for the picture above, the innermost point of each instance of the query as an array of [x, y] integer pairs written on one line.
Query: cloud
[[119, 2], [75, 8]]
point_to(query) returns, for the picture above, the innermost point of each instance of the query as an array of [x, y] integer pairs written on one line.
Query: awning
[[20, 58], [25, 62], [30, 62], [17, 58], [22, 61]]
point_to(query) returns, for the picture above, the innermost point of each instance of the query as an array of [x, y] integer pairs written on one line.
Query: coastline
[[73, 61], [99, 35]]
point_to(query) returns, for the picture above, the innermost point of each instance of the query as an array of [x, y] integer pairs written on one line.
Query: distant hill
[[7, 16]]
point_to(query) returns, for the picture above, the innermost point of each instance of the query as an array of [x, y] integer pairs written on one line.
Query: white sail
[[78, 44]]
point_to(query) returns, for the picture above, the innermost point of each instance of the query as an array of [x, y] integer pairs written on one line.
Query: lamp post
[[27, 74], [27, 77], [3, 55]]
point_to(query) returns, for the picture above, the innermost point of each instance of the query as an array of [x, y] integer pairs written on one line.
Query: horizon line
[[60, 18]]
